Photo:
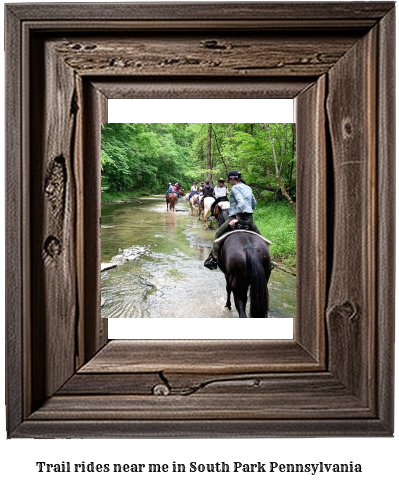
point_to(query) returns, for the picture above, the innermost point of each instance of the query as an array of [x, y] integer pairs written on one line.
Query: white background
[[378, 456]]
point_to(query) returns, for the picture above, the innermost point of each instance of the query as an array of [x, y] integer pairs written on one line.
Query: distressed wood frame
[[64, 378]]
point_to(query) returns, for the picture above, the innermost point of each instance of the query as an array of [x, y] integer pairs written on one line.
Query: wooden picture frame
[[64, 378]]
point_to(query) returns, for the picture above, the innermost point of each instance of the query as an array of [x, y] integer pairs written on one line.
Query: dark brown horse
[[245, 261], [181, 192], [171, 199]]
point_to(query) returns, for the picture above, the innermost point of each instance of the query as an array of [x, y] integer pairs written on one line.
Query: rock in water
[[107, 265], [132, 253]]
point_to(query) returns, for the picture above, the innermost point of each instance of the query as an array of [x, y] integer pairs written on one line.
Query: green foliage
[[136, 156], [247, 147], [277, 222]]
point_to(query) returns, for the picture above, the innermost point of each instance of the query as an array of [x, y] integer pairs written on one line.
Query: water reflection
[[170, 222], [170, 281]]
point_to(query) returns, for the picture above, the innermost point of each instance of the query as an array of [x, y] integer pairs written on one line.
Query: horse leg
[[240, 305], [240, 300], [228, 289]]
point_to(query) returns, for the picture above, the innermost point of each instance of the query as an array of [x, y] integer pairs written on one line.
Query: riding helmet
[[234, 174]]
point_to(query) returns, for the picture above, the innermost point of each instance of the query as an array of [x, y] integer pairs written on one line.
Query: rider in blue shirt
[[242, 206], [171, 189]]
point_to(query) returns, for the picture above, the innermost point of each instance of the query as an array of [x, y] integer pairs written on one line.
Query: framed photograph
[[65, 378], [153, 253]]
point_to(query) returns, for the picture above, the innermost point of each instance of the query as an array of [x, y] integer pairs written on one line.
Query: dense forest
[[148, 156], [140, 158]]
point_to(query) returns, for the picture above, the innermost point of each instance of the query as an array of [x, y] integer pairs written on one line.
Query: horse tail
[[258, 282]]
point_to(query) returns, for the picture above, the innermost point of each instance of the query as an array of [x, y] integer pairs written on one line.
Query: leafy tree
[[151, 155]]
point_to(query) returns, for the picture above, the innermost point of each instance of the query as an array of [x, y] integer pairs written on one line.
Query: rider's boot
[[211, 262]]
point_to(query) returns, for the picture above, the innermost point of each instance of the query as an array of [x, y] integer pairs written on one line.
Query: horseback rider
[[177, 186], [201, 189], [170, 190], [242, 205], [220, 192], [193, 190], [207, 192]]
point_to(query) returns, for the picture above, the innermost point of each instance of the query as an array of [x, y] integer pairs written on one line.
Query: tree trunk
[[208, 151], [279, 180], [218, 149]]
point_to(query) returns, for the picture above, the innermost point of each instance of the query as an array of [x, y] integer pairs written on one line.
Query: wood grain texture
[[247, 11], [311, 218], [203, 407], [15, 255], [228, 25], [53, 211], [385, 245], [353, 126], [311, 168], [175, 87], [185, 384], [241, 55], [190, 428], [95, 330], [201, 389], [200, 356], [103, 104], [255, 396], [111, 384]]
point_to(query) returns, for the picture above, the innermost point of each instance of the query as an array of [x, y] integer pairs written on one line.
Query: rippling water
[[171, 280]]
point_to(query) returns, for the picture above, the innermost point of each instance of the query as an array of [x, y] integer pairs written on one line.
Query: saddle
[[227, 234]]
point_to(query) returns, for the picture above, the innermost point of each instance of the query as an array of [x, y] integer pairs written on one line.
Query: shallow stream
[[168, 278]]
